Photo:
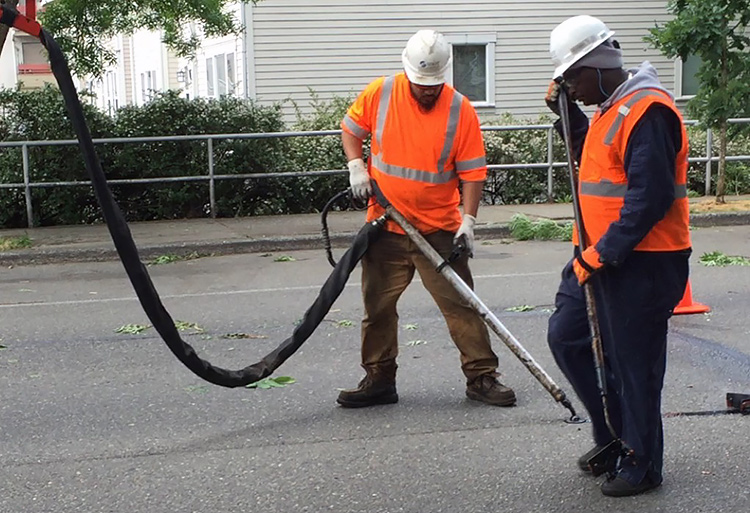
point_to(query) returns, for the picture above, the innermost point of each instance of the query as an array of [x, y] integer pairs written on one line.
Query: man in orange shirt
[[426, 141]]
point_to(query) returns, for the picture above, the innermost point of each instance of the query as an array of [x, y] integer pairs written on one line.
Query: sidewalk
[[83, 243]]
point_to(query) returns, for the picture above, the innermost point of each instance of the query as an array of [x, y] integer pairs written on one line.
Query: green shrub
[[310, 194], [737, 174], [169, 114], [41, 115], [518, 185]]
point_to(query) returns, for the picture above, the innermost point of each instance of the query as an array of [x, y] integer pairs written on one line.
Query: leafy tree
[[81, 27], [716, 31]]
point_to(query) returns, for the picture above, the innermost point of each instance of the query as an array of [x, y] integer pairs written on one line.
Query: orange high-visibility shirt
[[417, 158], [603, 182]]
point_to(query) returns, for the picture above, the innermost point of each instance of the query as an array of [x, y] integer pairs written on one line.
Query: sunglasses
[[571, 76]]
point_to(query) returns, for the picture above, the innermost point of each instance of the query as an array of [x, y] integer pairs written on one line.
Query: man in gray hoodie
[[634, 250]]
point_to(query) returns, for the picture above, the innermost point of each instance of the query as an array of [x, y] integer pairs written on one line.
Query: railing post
[[211, 181], [27, 186], [709, 156], [550, 164]]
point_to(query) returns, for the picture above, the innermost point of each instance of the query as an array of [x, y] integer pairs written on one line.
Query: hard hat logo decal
[[426, 58]]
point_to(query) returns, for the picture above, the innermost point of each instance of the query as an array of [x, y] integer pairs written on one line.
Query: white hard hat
[[426, 58], [574, 38]]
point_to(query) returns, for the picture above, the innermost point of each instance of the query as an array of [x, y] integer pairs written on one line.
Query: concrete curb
[[65, 253], [720, 219]]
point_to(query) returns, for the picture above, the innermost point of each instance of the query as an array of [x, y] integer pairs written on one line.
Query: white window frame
[[148, 85], [489, 41], [222, 86]]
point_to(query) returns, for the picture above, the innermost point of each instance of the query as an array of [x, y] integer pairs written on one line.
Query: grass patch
[[719, 259], [523, 228], [9, 243]]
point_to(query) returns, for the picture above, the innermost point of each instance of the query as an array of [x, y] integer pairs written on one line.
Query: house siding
[[335, 47]]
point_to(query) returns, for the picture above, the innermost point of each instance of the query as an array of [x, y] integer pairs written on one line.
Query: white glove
[[467, 229], [359, 179]]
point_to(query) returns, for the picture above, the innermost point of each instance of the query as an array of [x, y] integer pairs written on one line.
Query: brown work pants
[[387, 269]]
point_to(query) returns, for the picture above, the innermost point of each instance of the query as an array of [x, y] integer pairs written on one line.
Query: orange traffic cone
[[686, 305]]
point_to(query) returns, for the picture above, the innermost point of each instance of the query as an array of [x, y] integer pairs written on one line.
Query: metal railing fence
[[211, 177]]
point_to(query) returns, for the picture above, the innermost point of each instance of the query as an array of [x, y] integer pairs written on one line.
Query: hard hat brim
[[423, 80], [580, 54]]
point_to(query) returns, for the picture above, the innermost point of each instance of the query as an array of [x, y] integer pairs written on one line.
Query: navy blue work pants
[[634, 302]]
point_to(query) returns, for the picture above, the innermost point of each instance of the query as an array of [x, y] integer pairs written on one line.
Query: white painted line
[[233, 292]]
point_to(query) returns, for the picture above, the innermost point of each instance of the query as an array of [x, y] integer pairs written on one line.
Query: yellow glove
[[586, 264]]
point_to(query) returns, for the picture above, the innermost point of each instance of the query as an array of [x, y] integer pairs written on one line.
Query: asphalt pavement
[[95, 418]]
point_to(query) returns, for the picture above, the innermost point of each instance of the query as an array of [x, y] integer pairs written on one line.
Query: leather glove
[[466, 230], [359, 179], [586, 264], [553, 97]]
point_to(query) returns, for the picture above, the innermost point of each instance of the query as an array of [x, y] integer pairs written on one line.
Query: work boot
[[370, 392], [583, 461], [621, 487], [487, 389]]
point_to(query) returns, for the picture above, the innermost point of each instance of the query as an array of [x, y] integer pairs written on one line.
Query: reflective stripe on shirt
[[357, 130], [385, 100], [468, 165], [416, 175], [420, 175]]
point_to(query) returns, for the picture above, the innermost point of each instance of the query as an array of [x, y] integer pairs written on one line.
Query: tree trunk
[[723, 84], [720, 178], [4, 28]]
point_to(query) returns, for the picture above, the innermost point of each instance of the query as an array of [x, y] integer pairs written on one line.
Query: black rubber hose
[[139, 277], [324, 223]]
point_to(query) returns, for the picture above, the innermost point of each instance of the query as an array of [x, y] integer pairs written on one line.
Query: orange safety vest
[[602, 181], [417, 157]]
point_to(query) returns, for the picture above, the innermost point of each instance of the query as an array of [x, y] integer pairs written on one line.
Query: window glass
[[470, 71], [689, 81], [221, 75], [230, 73]]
